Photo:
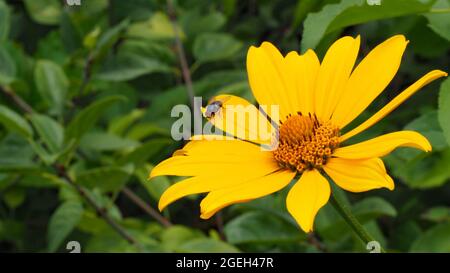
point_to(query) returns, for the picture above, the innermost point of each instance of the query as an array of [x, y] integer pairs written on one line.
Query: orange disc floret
[[305, 142]]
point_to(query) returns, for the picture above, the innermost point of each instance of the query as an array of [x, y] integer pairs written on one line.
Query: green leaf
[[69, 33], [107, 179], [437, 214], [144, 129], [145, 151], [14, 122], [346, 13], [436, 239], [215, 46], [100, 141], [251, 227], [444, 109], [174, 236], [157, 27], [108, 240], [183, 239], [373, 207], [87, 118], [5, 17], [316, 24], [422, 172], [14, 197], [52, 84], [109, 37], [419, 169], [156, 186], [129, 65], [425, 42], [195, 22], [301, 11], [47, 157], [52, 48], [365, 211], [403, 235], [16, 155], [135, 59], [46, 12], [428, 125], [12, 230], [62, 222], [440, 22], [119, 125], [7, 67], [207, 245], [50, 131], [41, 180]]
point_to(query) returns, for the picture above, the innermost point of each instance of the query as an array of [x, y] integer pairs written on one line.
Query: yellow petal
[[333, 75], [242, 119], [207, 145], [256, 188], [369, 79], [301, 74], [216, 157], [359, 175], [266, 74], [306, 197], [204, 183], [408, 92], [211, 137], [383, 145]]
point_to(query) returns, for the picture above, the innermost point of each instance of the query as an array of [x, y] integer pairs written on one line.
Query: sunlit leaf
[[215, 46], [87, 118], [250, 228], [440, 21], [334, 17], [107, 179], [50, 131], [7, 67], [4, 21], [14, 122], [52, 84], [46, 12], [62, 222], [436, 239]]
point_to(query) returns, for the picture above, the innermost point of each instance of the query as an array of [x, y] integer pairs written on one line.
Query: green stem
[[351, 220], [439, 11]]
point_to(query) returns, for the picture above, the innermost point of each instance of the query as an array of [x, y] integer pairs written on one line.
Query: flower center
[[305, 142]]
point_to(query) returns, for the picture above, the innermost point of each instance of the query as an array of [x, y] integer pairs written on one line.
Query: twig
[[180, 52], [17, 100], [60, 169], [87, 69], [219, 224], [312, 239], [149, 210]]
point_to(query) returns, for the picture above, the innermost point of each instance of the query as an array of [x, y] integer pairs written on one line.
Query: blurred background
[[87, 87]]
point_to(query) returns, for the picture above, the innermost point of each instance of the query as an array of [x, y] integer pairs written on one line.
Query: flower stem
[[351, 220], [439, 11]]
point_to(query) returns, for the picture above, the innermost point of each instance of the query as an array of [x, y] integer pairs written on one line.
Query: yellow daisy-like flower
[[316, 101]]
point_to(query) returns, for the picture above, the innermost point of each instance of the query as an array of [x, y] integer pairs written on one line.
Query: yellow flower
[[316, 100]]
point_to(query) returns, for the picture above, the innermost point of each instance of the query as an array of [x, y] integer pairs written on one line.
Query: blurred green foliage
[[102, 77]]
